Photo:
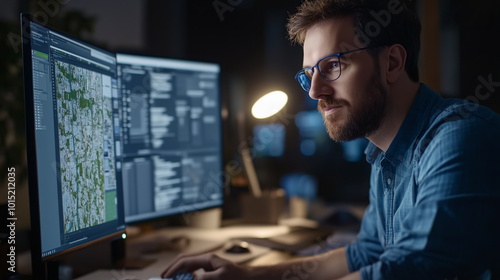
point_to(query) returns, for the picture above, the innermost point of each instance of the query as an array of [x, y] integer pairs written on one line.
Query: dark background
[[248, 39]]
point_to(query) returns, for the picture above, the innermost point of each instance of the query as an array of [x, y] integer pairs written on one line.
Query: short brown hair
[[378, 22]]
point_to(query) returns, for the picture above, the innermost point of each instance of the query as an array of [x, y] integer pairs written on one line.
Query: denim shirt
[[434, 208]]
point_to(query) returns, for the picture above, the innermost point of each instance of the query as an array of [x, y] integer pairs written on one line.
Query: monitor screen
[[73, 141], [172, 142]]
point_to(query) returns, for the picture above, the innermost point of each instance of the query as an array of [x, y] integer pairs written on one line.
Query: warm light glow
[[269, 104]]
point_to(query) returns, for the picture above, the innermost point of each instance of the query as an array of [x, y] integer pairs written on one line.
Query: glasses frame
[[302, 72]]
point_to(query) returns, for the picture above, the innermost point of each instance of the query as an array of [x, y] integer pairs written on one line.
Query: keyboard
[[178, 276]]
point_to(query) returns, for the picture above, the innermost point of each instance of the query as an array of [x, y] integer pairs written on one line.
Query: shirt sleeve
[[367, 248], [453, 231]]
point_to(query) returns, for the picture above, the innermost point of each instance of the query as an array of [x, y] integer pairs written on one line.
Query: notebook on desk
[[297, 238]]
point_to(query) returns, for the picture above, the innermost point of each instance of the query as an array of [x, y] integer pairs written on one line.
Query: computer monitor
[[73, 143], [172, 142]]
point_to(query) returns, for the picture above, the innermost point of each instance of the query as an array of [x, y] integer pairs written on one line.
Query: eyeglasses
[[328, 67]]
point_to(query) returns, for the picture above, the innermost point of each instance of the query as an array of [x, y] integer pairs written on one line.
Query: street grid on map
[[85, 145]]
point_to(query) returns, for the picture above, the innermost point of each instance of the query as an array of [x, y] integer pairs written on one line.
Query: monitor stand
[[104, 255]]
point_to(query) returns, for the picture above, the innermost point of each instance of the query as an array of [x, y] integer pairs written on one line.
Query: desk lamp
[[265, 107]]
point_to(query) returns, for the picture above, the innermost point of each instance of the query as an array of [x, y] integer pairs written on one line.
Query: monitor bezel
[[36, 242], [38, 267]]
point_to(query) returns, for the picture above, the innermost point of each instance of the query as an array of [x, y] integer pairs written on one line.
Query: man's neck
[[399, 101]]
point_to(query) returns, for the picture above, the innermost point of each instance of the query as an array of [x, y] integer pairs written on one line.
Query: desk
[[202, 240]]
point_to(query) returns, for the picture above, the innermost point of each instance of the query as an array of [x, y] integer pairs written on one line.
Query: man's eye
[[334, 64], [330, 66]]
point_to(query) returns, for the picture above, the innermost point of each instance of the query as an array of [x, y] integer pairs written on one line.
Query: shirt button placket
[[388, 173], [390, 198]]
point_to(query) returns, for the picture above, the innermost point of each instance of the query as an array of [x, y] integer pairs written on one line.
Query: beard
[[363, 119]]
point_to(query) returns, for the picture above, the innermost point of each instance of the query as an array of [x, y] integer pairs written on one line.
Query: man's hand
[[330, 265], [214, 266]]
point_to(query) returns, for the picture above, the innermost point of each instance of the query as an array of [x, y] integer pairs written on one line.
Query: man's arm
[[330, 265], [353, 276], [452, 230], [367, 248]]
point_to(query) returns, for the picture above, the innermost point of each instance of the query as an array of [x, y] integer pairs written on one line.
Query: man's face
[[352, 106]]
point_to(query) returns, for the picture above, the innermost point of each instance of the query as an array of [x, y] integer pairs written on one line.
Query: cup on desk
[[266, 209], [297, 207]]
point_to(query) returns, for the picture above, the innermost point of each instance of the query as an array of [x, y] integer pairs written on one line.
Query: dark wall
[[479, 26]]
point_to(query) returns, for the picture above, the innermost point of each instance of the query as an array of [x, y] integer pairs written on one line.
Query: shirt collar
[[411, 127]]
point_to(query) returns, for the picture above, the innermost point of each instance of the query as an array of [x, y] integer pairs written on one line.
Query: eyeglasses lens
[[330, 68]]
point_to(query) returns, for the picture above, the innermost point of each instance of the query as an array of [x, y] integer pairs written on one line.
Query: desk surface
[[202, 240]]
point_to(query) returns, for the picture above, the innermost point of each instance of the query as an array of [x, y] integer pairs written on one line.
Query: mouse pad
[[255, 251]]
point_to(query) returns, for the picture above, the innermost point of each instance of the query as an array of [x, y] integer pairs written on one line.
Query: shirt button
[[389, 181]]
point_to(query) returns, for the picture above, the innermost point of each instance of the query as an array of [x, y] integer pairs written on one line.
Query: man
[[435, 183]]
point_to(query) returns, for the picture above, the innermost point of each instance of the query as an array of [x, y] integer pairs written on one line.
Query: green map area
[[86, 153]]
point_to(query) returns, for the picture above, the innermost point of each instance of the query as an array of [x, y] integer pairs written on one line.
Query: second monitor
[[172, 142]]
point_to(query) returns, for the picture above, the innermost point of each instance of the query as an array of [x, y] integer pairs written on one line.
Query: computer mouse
[[238, 248]]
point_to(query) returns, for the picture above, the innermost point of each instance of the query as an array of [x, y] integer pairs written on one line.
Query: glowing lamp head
[[269, 104]]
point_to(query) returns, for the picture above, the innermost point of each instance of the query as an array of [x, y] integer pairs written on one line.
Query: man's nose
[[318, 86]]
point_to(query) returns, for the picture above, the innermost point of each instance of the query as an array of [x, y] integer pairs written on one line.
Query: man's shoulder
[[460, 124], [453, 109], [436, 117], [464, 117], [460, 150]]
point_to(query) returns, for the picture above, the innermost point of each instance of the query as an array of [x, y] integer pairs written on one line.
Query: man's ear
[[396, 60]]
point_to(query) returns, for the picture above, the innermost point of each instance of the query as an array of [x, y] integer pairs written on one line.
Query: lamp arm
[[247, 159]]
